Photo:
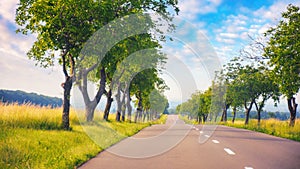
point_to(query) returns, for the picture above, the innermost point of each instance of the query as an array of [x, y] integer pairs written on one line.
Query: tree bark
[[204, 117], [118, 100], [234, 114], [90, 105], [139, 108], [293, 110], [145, 114], [140, 118], [90, 110], [128, 105], [259, 109], [108, 105], [67, 86], [123, 107], [224, 114], [247, 113], [199, 119]]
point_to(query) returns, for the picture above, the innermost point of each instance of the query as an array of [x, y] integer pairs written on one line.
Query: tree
[[121, 50], [61, 28], [220, 94], [205, 105], [283, 52], [141, 86], [133, 56], [198, 106], [267, 89], [231, 91], [137, 72], [248, 85]]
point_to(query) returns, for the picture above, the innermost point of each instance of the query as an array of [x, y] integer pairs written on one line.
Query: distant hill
[[9, 96]]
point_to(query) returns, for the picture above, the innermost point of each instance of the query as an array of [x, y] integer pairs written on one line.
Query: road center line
[[206, 136], [216, 141], [248, 168], [201, 132], [228, 151]]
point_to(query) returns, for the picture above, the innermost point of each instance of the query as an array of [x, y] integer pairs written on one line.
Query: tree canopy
[[283, 52]]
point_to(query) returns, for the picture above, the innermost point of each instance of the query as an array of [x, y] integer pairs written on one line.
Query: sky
[[225, 24]]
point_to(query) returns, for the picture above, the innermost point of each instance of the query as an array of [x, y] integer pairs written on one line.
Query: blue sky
[[225, 23]]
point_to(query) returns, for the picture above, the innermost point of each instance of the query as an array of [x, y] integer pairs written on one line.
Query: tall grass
[[31, 137], [31, 116], [271, 126], [187, 120]]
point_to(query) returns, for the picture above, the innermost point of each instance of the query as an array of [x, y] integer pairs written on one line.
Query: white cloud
[[264, 28], [229, 35], [236, 29], [244, 35], [16, 70], [271, 13], [191, 8], [8, 9]]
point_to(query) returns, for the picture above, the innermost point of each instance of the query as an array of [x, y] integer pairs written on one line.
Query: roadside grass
[[187, 120], [31, 137], [270, 126]]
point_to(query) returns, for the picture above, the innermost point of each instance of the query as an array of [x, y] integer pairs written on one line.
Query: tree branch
[[64, 63]]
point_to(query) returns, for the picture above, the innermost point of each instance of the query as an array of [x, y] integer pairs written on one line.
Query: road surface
[[224, 147]]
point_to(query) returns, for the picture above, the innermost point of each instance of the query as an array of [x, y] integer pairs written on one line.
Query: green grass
[[187, 120], [31, 137], [271, 126]]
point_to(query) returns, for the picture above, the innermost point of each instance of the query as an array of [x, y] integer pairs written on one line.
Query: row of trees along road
[[65, 27], [267, 69]]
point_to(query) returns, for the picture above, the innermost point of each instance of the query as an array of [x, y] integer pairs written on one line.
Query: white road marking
[[216, 141], [206, 136], [201, 132], [197, 129], [228, 151], [248, 168]]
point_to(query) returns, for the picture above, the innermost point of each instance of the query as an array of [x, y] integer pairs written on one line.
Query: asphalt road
[[176, 145]]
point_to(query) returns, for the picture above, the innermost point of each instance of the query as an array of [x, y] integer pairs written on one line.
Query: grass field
[[270, 126], [31, 137]]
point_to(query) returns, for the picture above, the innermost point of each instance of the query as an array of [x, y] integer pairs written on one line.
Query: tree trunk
[[118, 116], [136, 115], [108, 105], [90, 110], [139, 108], [259, 109], [204, 117], [144, 115], [118, 100], [90, 106], [140, 118], [234, 114], [224, 114], [199, 119], [151, 115], [123, 108], [156, 115], [247, 113], [293, 110], [123, 104], [67, 86], [128, 105], [148, 115]]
